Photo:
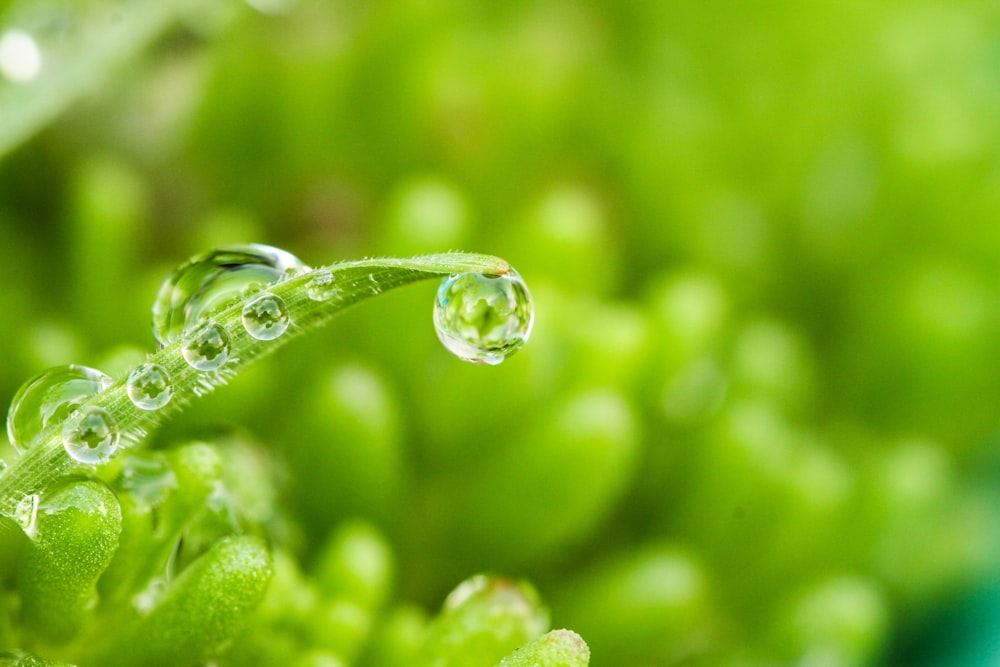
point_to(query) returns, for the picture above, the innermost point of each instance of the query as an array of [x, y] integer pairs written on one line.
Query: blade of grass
[[346, 283]]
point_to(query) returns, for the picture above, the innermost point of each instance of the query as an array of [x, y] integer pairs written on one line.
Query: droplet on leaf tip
[[483, 318]]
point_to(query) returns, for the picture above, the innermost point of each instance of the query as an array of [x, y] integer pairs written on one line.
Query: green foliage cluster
[[756, 421]]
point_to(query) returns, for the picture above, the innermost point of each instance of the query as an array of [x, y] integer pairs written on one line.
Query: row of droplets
[[480, 318]]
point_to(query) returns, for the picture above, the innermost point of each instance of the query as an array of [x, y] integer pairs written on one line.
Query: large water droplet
[[483, 318], [48, 399], [207, 349], [266, 317], [91, 435], [214, 280], [149, 386]]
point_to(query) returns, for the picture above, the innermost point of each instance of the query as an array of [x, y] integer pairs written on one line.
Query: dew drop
[[266, 317], [91, 435], [214, 280], [321, 286], [207, 349], [48, 399], [483, 318], [149, 387], [26, 514]]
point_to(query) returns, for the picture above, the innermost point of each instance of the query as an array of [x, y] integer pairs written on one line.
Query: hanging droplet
[[149, 386], [266, 317], [483, 318], [48, 399], [321, 286], [91, 435], [214, 280], [207, 349]]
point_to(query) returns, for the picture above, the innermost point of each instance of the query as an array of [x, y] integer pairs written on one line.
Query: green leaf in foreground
[[242, 325]]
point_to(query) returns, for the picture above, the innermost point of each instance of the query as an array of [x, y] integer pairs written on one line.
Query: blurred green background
[[758, 420]]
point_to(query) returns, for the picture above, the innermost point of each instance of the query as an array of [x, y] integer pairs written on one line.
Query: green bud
[[357, 564], [559, 648], [398, 639], [347, 459], [319, 659], [557, 481], [484, 619], [341, 626], [425, 214], [843, 619], [648, 606]]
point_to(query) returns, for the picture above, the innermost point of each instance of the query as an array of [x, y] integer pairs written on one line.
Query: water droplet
[[48, 399], [91, 435], [321, 286], [483, 318], [266, 317], [26, 514], [149, 387], [214, 280], [207, 349]]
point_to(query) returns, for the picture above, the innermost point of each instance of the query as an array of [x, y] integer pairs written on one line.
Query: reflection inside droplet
[[483, 318], [20, 57]]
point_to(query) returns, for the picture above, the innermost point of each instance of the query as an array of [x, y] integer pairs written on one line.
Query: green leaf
[[77, 529], [347, 282], [202, 609]]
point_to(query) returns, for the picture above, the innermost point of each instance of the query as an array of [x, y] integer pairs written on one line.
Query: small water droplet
[[3, 465], [149, 386], [321, 286], [214, 280], [207, 349], [48, 399], [91, 435], [266, 317], [483, 318], [26, 514]]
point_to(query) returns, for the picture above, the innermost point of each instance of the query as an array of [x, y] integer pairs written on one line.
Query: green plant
[[174, 549]]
